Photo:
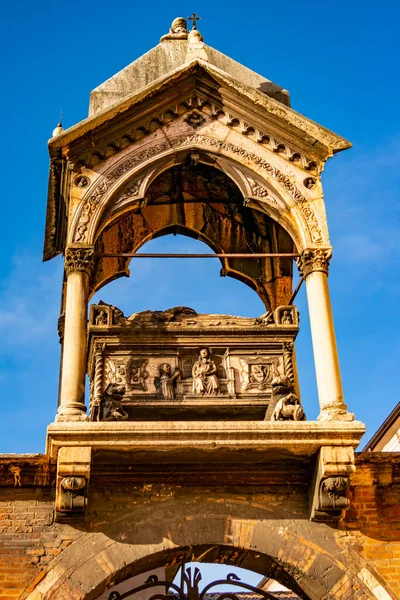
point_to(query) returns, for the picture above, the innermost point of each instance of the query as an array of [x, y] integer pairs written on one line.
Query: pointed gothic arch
[[203, 202], [257, 174]]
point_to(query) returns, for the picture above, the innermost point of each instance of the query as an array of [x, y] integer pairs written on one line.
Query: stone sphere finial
[[59, 129], [178, 30], [179, 25]]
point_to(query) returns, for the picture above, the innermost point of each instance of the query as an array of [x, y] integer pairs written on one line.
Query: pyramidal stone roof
[[177, 48]]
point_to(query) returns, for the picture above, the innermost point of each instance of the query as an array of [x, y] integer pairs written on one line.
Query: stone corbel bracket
[[73, 475], [330, 490]]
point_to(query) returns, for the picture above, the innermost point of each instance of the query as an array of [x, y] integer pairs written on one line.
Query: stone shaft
[[72, 403], [326, 358]]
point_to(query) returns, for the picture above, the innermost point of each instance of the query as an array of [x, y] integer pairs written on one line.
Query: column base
[[335, 413], [74, 411]]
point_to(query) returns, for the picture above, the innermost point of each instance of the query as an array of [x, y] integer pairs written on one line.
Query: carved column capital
[[79, 259], [314, 260]]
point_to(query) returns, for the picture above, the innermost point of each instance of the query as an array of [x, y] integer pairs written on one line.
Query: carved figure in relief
[[288, 406], [287, 318], [101, 318], [117, 316], [204, 373], [111, 408], [166, 382], [16, 473]]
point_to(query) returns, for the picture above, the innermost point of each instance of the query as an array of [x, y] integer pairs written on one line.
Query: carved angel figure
[[166, 382], [204, 373]]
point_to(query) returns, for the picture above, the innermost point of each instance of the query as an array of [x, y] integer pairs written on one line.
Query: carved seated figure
[[204, 373], [111, 407], [288, 406]]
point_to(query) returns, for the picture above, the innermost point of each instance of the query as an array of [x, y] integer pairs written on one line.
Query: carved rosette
[[79, 259], [314, 260]]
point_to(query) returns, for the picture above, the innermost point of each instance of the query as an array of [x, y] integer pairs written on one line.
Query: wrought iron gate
[[189, 589]]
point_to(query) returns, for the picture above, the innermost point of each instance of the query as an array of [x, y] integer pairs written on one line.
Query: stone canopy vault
[[205, 408]]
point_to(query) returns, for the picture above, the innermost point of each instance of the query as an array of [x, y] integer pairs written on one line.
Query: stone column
[[78, 264], [313, 266]]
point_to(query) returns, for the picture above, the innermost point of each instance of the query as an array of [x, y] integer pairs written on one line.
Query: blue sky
[[338, 61]]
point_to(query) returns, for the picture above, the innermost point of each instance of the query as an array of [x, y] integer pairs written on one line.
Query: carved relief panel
[[257, 373], [157, 359]]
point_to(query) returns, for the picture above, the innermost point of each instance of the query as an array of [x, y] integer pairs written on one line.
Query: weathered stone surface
[[257, 525], [149, 364], [207, 437], [169, 55]]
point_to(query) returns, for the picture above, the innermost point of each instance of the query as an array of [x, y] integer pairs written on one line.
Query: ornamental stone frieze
[[79, 259], [293, 195], [314, 260], [219, 365]]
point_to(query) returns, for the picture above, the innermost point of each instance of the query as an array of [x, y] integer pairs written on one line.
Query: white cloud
[[29, 303]]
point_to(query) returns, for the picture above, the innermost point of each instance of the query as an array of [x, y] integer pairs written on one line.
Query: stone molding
[[86, 220], [79, 259], [317, 259], [300, 437]]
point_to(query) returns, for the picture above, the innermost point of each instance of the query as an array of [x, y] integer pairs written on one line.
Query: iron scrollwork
[[191, 581]]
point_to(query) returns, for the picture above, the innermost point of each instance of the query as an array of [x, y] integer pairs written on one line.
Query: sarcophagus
[[180, 365]]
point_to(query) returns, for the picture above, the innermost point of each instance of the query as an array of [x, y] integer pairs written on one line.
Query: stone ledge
[[302, 438]]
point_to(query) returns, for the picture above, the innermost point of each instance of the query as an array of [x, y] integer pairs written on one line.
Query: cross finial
[[194, 18]]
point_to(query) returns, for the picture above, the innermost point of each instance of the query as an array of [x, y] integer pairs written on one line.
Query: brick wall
[[375, 513], [29, 539]]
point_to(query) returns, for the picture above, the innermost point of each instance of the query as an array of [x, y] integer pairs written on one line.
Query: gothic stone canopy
[[184, 99]]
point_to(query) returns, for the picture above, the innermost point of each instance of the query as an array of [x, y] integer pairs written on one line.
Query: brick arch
[[303, 556]]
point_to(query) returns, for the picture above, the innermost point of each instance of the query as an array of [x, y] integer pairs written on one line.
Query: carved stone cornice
[[79, 259], [314, 260], [94, 199]]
